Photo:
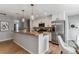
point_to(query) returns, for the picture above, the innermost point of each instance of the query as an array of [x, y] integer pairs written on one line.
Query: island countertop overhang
[[31, 33]]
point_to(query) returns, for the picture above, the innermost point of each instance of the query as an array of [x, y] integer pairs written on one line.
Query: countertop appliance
[[58, 28]]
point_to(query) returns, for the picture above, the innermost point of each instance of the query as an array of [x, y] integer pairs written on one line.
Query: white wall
[[73, 32], [6, 34], [60, 16]]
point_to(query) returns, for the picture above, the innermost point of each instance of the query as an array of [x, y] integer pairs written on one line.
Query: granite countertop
[[33, 33], [28, 33]]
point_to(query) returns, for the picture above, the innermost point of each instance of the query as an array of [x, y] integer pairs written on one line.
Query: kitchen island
[[33, 42]]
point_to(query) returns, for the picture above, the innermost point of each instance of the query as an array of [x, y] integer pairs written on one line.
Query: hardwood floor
[[54, 48], [9, 47]]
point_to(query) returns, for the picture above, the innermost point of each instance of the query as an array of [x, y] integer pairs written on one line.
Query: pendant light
[[16, 20], [32, 15], [23, 18]]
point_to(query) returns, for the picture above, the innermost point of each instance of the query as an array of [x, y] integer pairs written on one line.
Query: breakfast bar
[[33, 42]]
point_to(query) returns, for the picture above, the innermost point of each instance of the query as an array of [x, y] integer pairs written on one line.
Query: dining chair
[[65, 48]]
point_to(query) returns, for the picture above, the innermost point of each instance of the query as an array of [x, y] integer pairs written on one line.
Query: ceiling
[[39, 10]]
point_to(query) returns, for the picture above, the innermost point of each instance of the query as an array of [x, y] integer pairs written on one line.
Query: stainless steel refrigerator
[[58, 28]]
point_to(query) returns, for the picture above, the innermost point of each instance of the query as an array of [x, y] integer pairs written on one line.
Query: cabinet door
[[50, 37], [46, 42], [43, 44]]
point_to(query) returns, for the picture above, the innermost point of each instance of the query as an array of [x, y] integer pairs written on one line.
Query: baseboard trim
[[5, 39], [23, 47]]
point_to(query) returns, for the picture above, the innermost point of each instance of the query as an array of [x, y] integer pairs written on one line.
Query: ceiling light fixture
[[23, 18], [32, 14]]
